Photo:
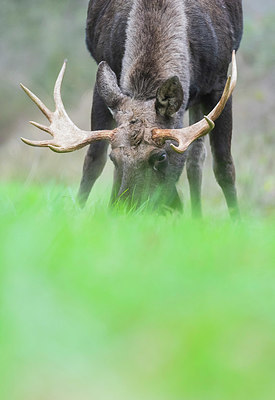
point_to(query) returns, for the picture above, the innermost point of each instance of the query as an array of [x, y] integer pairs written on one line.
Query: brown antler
[[66, 135], [186, 136]]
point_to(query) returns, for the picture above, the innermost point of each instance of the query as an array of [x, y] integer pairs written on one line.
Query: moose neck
[[156, 48]]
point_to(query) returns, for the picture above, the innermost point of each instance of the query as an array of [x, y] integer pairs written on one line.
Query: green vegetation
[[101, 305]]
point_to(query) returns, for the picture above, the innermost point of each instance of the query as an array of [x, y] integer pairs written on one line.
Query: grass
[[104, 305]]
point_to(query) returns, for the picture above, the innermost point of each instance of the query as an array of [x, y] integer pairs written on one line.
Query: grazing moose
[[157, 59]]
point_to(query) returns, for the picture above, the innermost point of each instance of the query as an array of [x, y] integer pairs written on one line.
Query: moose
[[157, 59]]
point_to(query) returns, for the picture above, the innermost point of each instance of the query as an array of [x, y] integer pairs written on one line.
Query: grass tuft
[[100, 303]]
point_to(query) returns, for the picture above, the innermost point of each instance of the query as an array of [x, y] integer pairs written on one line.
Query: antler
[[186, 136], [66, 135]]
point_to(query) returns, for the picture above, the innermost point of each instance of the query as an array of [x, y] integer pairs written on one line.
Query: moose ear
[[107, 86], [169, 97]]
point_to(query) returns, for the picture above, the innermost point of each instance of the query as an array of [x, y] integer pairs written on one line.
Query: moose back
[[157, 59]]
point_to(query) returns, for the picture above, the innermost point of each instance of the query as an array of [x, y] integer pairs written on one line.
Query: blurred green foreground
[[97, 305]]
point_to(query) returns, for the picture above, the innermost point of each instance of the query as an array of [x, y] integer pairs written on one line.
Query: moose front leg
[[223, 165], [194, 164], [96, 156]]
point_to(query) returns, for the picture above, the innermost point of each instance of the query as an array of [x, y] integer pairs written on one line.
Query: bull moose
[[157, 59]]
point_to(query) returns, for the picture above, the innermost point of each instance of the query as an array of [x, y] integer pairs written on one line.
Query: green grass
[[100, 305]]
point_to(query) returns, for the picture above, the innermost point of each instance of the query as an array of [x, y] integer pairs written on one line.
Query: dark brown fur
[[146, 42]]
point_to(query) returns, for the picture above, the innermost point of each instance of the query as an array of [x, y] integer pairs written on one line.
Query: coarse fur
[[165, 40], [160, 58]]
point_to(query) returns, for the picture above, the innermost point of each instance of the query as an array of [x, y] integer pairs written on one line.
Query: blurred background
[[36, 36], [95, 305]]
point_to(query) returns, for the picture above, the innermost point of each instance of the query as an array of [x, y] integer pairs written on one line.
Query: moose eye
[[159, 161], [162, 157]]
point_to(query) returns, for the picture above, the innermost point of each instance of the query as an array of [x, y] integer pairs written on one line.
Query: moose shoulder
[[157, 59]]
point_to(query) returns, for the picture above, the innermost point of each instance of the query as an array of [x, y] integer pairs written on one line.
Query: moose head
[[146, 150]]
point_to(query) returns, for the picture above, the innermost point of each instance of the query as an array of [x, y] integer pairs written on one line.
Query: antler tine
[[36, 143], [57, 89], [42, 127], [186, 136], [66, 135], [228, 90], [38, 102]]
